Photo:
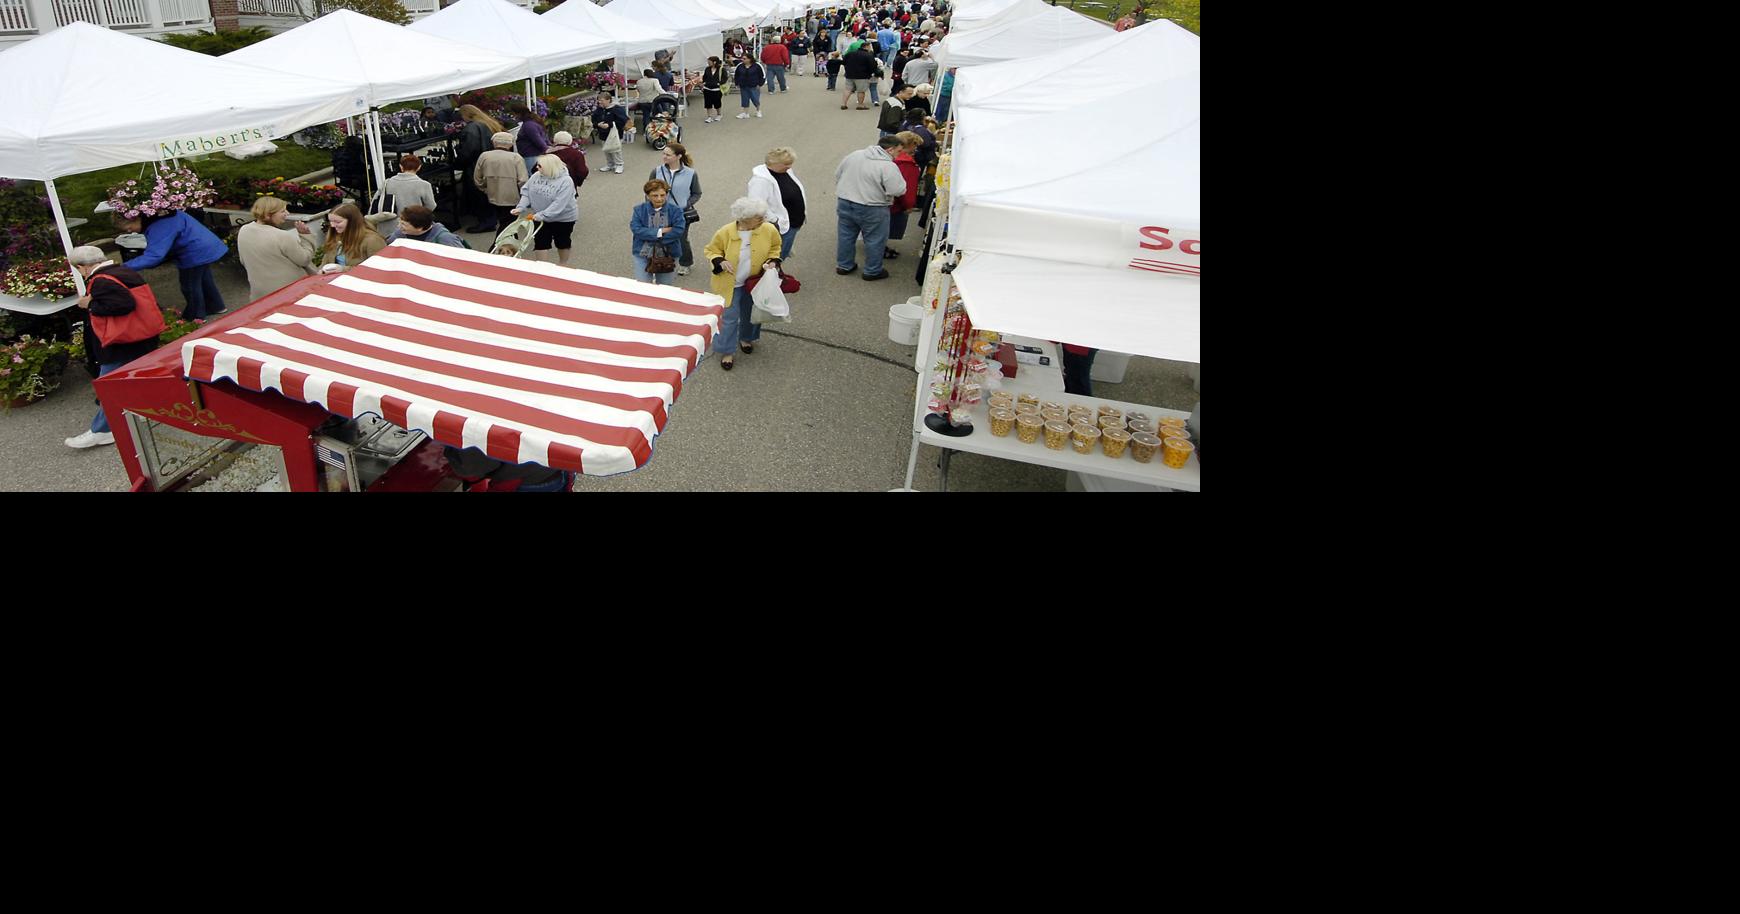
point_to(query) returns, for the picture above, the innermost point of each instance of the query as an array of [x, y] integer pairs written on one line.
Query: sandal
[[725, 363], [746, 347]]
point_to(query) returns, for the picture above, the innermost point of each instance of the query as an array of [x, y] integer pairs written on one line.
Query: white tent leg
[[682, 71], [65, 236], [373, 123], [912, 460]]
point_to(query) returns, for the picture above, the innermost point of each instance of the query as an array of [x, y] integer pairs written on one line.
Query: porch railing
[[106, 13], [181, 12], [15, 16]]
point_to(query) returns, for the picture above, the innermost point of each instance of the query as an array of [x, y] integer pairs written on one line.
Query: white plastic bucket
[[903, 321]]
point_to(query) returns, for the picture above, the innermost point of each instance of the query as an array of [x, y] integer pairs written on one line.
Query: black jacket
[[110, 300], [860, 64], [749, 76]]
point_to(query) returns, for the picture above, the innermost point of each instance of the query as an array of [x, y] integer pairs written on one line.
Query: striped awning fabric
[[527, 361]]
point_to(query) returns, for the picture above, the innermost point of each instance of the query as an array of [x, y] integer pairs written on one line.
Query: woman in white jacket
[[548, 197], [776, 183]]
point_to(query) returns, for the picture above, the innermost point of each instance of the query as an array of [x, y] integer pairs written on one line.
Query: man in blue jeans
[[889, 42], [866, 184]]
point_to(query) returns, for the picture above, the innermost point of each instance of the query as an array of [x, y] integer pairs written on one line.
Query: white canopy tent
[[1106, 251], [629, 35], [976, 15], [501, 26], [393, 63], [1157, 50], [61, 118], [728, 13], [1053, 27], [699, 36]]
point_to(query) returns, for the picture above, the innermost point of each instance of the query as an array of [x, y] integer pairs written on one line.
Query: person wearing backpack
[[109, 293]]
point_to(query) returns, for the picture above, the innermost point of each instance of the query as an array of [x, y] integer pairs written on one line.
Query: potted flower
[[300, 198], [50, 279], [175, 328], [30, 368]]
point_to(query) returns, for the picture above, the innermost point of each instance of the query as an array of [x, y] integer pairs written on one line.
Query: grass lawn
[[79, 194]]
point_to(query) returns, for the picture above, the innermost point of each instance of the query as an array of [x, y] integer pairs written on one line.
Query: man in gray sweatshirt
[[866, 184], [418, 224], [921, 70]]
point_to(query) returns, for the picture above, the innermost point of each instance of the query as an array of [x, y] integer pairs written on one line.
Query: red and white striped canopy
[[527, 361]]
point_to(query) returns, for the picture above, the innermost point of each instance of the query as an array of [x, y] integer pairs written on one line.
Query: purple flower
[[17, 360]]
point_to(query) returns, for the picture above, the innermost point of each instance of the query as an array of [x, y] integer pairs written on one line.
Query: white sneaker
[[758, 112], [619, 169], [90, 439], [682, 271], [743, 115]]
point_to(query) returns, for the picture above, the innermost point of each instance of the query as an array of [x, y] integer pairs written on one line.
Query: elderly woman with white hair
[[777, 184], [548, 197], [108, 293], [500, 173], [740, 250]]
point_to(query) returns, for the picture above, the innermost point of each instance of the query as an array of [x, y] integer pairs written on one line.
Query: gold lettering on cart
[[184, 412]]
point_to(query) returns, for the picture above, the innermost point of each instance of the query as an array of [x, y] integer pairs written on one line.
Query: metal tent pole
[[65, 236], [373, 124]]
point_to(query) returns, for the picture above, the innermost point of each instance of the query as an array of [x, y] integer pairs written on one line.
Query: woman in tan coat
[[501, 173], [273, 257], [738, 251]]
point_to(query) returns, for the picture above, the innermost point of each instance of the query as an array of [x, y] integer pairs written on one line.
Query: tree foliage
[[384, 10], [217, 44]]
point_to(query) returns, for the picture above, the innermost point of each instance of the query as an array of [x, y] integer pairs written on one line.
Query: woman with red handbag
[[123, 324]]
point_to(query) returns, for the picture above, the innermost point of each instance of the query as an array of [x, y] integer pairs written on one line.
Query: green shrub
[[217, 44]]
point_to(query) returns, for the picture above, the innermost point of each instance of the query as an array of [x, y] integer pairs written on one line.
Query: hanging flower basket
[[172, 188]]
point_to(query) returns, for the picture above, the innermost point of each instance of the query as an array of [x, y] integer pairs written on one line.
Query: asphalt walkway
[[825, 402]]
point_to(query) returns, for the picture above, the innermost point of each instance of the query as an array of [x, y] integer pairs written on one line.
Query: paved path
[[824, 403]]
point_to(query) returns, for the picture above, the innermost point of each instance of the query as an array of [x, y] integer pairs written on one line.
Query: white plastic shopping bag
[[768, 301]]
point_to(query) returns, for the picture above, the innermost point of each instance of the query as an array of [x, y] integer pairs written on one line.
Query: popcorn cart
[[357, 381]]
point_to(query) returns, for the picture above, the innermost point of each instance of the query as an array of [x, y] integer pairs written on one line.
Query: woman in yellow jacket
[[739, 251]]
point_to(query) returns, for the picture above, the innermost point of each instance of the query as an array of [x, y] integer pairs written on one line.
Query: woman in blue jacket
[[657, 221], [194, 248]]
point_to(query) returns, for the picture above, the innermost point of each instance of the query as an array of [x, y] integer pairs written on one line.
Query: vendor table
[[40, 307], [1033, 379]]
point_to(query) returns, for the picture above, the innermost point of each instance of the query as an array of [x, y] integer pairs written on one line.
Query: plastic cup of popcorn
[[1028, 409], [1049, 404], [1081, 414], [1110, 411], [1142, 447], [1083, 438], [1140, 425], [1002, 422], [1133, 416], [1111, 422], [1054, 415], [1025, 399], [1176, 451], [1171, 422], [1027, 426], [1171, 432], [1056, 435], [1113, 441], [1002, 399]]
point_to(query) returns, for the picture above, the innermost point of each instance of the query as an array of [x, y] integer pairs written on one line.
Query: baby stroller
[[661, 125], [516, 240]]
